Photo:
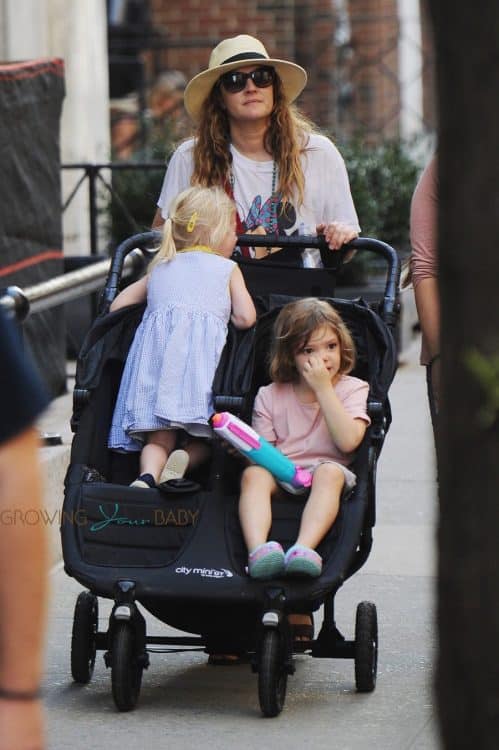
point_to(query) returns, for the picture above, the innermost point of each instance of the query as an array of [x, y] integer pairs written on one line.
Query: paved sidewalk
[[185, 703]]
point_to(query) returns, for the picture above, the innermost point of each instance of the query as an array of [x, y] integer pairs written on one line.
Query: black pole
[[92, 170]]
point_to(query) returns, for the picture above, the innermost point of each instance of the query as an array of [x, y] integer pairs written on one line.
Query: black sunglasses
[[235, 81]]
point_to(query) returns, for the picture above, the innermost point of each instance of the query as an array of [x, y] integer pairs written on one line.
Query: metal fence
[[384, 79], [93, 177]]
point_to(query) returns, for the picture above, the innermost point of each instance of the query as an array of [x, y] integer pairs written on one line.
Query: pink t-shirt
[[299, 430]]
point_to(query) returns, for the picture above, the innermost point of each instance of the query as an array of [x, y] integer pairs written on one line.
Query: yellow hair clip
[[192, 222]]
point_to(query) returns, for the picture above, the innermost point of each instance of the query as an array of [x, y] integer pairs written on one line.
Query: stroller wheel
[[126, 669], [366, 647], [272, 674], [83, 638]]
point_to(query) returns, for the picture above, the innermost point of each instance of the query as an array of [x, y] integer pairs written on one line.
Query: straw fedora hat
[[237, 52]]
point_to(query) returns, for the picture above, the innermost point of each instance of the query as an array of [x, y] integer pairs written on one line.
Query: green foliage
[[382, 179], [132, 206], [485, 370]]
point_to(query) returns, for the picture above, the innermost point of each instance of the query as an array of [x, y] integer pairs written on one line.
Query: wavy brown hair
[[285, 141], [293, 328]]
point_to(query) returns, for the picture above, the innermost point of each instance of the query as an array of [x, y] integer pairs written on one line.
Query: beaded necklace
[[274, 200]]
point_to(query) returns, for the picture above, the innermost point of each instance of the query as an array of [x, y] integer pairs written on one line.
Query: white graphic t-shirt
[[327, 189]]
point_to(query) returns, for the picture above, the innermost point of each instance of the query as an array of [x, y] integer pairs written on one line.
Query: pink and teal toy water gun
[[259, 451]]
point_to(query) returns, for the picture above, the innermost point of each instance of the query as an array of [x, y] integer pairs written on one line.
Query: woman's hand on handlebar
[[337, 234], [260, 252]]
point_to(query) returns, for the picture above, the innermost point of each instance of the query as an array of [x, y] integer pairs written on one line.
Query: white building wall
[[411, 68], [76, 32]]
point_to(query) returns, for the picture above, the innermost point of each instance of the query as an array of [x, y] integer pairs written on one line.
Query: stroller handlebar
[[149, 241], [144, 241]]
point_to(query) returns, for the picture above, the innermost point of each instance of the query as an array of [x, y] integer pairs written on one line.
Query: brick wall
[[429, 83], [296, 30], [353, 88], [374, 68], [315, 51]]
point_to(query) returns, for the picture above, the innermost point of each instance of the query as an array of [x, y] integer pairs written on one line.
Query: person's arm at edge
[[23, 592], [428, 306], [424, 256]]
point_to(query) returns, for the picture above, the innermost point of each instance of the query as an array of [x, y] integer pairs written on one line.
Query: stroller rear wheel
[[272, 674], [83, 638], [126, 669], [366, 647]]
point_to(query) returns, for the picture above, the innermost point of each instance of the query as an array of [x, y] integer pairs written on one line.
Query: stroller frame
[[126, 642]]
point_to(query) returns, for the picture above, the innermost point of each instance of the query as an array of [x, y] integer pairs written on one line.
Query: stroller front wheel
[[366, 647], [83, 637], [272, 674], [126, 669]]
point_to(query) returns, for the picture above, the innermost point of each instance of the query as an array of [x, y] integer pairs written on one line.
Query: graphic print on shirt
[[261, 216]]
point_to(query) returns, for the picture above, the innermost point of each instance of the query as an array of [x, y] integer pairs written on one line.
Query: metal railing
[[93, 173], [19, 303]]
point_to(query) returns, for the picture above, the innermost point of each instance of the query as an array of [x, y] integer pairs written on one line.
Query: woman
[[284, 176]]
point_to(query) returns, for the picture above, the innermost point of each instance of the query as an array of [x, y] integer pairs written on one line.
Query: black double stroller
[[177, 552]]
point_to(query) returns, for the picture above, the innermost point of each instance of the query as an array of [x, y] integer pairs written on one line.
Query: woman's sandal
[[302, 632]]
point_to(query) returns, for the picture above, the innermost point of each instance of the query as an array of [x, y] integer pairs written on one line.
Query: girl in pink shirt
[[315, 413]]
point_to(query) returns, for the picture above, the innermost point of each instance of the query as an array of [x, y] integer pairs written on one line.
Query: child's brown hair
[[293, 328]]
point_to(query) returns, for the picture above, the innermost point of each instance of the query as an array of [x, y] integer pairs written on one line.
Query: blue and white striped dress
[[168, 374]]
